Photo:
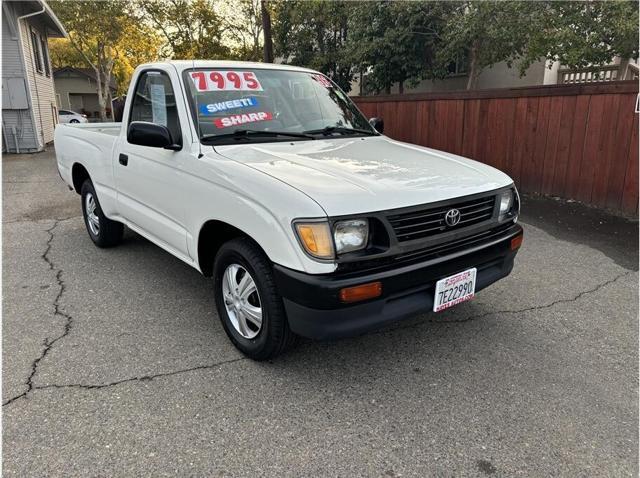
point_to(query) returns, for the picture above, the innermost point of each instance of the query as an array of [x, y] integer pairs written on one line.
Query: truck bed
[[112, 129], [91, 144]]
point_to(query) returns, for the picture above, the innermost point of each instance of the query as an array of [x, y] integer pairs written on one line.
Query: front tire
[[103, 231], [248, 303]]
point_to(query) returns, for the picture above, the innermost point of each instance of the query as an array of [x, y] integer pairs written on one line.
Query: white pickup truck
[[310, 220]]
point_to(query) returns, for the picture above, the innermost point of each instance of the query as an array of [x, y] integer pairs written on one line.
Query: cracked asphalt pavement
[[115, 363]]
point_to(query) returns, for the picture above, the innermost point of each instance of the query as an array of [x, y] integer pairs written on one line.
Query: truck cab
[[310, 221]]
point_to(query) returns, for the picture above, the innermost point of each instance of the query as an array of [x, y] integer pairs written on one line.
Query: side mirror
[[378, 124], [152, 135]]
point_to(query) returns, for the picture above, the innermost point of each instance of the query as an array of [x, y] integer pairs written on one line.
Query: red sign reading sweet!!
[[233, 120]]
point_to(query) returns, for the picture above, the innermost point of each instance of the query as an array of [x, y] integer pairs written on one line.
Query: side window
[[37, 58], [45, 56], [155, 102]]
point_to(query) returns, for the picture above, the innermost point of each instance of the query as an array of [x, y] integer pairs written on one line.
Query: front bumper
[[314, 309]]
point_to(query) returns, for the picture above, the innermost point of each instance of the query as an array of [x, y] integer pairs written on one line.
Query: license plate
[[455, 289]]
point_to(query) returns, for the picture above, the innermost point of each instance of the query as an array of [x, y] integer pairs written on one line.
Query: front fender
[[258, 205]]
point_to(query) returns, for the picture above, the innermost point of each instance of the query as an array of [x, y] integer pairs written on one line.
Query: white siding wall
[[12, 67], [41, 86]]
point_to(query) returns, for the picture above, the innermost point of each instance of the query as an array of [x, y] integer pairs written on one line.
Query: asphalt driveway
[[115, 363]]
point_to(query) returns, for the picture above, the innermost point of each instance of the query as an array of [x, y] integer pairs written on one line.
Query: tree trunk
[[101, 98], [401, 87], [473, 67], [107, 94], [266, 29], [387, 89]]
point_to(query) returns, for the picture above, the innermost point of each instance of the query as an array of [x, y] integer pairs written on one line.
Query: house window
[[45, 56], [36, 51]]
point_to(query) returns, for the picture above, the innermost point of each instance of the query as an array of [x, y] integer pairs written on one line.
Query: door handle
[[123, 159]]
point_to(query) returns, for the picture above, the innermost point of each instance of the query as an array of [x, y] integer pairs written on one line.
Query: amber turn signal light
[[361, 292], [316, 239], [516, 242]]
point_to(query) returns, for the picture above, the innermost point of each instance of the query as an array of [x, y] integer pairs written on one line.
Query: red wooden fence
[[573, 141]]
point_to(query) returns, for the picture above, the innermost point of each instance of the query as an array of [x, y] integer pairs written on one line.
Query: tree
[[588, 33], [97, 38], [314, 34], [190, 28], [137, 45], [266, 28], [577, 34], [487, 33], [243, 27], [394, 42]]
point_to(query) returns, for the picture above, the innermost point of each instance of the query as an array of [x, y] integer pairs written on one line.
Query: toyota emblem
[[452, 217]]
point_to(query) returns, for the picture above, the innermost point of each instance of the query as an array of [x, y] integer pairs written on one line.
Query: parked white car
[[311, 222], [68, 116]]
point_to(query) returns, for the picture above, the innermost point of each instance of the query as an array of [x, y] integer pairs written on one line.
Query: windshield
[[270, 104]]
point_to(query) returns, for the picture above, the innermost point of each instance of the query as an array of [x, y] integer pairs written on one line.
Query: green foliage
[[243, 29], [190, 28], [387, 42], [395, 42], [105, 39], [577, 34], [580, 34], [314, 34], [488, 33], [404, 42]]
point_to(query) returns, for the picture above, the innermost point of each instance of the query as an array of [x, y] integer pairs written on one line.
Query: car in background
[[68, 116]]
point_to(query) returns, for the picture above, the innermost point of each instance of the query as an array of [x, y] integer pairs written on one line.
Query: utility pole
[[266, 28]]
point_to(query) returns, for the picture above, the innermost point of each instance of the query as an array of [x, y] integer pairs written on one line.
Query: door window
[[155, 102]]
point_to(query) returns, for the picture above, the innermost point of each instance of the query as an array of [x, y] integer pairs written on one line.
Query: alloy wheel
[[242, 301]]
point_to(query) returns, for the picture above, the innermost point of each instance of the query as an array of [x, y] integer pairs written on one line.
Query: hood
[[367, 174]]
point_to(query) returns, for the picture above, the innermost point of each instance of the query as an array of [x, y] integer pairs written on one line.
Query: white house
[[29, 110], [539, 73]]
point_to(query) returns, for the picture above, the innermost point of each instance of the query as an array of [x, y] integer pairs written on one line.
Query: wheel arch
[[213, 234], [79, 175]]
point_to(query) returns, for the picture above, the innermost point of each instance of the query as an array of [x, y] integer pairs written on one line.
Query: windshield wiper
[[327, 130], [247, 133]]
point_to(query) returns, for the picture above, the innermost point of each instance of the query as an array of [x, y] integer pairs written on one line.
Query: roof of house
[[54, 25], [88, 72]]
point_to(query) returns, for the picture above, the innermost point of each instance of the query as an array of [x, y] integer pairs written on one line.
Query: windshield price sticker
[[323, 80], [228, 105], [234, 120], [225, 80]]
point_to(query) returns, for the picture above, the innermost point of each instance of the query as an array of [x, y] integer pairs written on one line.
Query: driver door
[[149, 180]]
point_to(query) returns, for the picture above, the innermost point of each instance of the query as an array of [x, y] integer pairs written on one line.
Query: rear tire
[[103, 231], [241, 267]]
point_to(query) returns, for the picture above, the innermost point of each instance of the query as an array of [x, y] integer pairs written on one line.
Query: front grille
[[426, 253], [431, 221]]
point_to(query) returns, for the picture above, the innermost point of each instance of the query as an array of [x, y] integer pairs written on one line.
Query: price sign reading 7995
[[223, 80]]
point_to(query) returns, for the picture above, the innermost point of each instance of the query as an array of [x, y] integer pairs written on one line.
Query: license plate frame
[[455, 289]]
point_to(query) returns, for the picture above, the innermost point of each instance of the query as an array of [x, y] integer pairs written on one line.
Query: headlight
[[506, 201], [315, 237], [351, 235], [509, 205]]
